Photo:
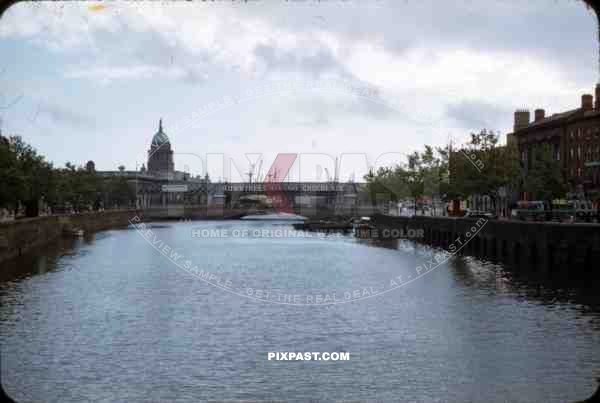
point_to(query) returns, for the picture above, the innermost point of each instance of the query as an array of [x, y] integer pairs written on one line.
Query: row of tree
[[481, 167], [28, 180]]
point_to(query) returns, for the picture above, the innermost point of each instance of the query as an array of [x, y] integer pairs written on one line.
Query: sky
[[366, 82]]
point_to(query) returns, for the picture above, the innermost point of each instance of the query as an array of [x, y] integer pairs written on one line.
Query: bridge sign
[[174, 188]]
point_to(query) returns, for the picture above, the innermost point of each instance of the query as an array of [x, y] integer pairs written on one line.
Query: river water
[[110, 318]]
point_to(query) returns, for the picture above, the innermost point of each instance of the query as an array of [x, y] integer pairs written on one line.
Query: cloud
[[329, 104], [61, 115], [470, 62], [381, 47], [477, 115], [107, 74], [314, 62]]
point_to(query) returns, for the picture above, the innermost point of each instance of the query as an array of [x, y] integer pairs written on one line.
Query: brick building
[[574, 137]]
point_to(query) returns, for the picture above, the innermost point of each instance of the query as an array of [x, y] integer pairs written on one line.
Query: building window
[[571, 153], [557, 152], [578, 152]]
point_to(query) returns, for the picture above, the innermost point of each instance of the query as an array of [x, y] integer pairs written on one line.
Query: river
[[110, 318]]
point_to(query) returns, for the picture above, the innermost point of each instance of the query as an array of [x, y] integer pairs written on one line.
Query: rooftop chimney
[[521, 119], [539, 114], [587, 102], [597, 105]]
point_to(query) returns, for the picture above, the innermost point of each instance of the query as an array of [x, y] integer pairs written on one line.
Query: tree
[[120, 192], [90, 166], [26, 175], [414, 176], [483, 167], [27, 178], [10, 185], [545, 180], [421, 175]]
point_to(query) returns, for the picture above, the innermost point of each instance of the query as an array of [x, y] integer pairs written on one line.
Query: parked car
[[530, 211], [480, 214], [578, 210], [557, 210]]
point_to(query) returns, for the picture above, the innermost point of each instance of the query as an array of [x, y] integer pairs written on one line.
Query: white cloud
[[229, 38], [107, 74], [439, 63]]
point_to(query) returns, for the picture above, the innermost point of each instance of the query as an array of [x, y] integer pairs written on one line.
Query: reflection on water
[[107, 318], [150, 226], [543, 287], [548, 285], [47, 258], [382, 243]]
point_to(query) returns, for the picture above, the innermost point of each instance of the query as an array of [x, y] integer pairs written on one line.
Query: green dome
[[160, 137]]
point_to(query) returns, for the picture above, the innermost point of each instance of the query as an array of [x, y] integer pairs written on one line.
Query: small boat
[[275, 217], [362, 223], [363, 228], [76, 232], [73, 231], [321, 226]]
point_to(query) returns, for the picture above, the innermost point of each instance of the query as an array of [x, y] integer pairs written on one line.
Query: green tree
[[26, 175], [27, 178], [387, 183], [483, 167], [421, 175], [414, 176], [545, 180], [10, 185], [118, 192]]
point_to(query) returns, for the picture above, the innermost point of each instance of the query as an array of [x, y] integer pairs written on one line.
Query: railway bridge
[[187, 197]]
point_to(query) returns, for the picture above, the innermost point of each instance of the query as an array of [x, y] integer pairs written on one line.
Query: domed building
[[160, 154]]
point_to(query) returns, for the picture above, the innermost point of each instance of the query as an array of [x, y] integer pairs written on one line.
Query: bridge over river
[[193, 197]]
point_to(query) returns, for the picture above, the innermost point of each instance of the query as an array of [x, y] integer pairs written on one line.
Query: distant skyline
[[90, 81]]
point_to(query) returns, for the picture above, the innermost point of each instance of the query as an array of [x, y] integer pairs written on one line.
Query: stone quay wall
[[21, 236], [541, 244]]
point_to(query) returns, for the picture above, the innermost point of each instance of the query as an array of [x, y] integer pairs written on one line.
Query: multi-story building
[[574, 138], [161, 186], [160, 155]]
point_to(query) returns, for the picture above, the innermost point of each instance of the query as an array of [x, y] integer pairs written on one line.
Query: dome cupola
[[160, 154], [160, 137]]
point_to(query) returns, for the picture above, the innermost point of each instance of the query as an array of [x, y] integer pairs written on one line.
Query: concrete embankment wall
[[181, 211], [538, 243], [21, 236]]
